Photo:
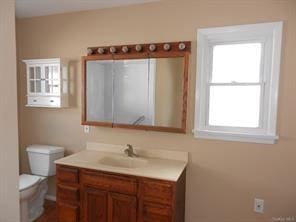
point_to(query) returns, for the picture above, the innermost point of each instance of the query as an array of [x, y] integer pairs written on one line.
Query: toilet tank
[[42, 157]]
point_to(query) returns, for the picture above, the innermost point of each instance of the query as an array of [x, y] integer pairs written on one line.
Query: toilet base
[[35, 205], [24, 211]]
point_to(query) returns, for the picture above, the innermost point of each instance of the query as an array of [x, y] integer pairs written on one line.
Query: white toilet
[[33, 188]]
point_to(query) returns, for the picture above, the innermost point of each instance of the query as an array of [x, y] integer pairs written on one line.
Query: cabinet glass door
[[35, 79], [51, 78]]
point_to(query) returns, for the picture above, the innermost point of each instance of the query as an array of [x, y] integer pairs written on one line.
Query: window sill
[[249, 138]]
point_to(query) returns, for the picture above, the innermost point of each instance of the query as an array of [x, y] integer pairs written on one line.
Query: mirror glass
[[133, 96], [99, 91], [169, 91], [135, 91]]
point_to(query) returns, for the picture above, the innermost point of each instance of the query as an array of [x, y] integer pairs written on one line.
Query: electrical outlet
[[259, 205], [86, 129]]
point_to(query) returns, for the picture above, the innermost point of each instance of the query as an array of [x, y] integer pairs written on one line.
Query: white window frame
[[270, 35]]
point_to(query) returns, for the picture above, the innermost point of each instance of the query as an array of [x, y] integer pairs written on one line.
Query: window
[[238, 71]]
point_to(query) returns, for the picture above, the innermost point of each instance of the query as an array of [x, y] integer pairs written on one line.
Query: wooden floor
[[50, 212]]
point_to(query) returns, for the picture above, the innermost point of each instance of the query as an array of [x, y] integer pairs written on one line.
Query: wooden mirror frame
[[176, 49]]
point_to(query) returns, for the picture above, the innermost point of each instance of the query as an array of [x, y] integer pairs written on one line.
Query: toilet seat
[[26, 181]]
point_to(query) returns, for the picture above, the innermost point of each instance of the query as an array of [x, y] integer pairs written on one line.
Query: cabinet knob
[[52, 101]]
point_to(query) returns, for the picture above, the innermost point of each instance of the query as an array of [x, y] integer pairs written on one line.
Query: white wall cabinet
[[47, 83]]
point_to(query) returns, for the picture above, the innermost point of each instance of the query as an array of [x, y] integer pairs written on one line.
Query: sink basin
[[124, 162]]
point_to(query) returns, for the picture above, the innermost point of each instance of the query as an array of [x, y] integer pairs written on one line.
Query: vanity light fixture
[[125, 49], [112, 49], [167, 47], [101, 50], [138, 48], [182, 46], [89, 51], [152, 47], [131, 50]]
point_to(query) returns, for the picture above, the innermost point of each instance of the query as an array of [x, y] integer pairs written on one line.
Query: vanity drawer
[[156, 212], [67, 174], [68, 194], [109, 182], [157, 191]]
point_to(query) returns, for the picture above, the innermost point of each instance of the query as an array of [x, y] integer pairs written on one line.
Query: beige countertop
[[156, 164]]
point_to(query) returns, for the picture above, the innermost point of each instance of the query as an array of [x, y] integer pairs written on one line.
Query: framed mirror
[[133, 89]]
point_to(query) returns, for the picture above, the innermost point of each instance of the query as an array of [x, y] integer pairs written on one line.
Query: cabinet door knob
[[34, 100], [52, 101]]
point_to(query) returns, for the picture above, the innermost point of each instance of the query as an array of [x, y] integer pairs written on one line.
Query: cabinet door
[[122, 208], [152, 212], [34, 79], [94, 205], [51, 79], [67, 213]]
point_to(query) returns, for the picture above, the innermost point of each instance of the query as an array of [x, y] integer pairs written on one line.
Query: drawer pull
[[51, 100], [35, 100]]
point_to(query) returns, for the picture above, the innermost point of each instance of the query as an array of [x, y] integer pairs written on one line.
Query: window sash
[[262, 77], [261, 83], [261, 125]]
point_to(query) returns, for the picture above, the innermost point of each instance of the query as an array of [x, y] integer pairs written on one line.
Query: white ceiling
[[32, 8]]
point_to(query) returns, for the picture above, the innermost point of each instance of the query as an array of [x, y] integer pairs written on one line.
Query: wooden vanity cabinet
[[68, 194], [93, 196]]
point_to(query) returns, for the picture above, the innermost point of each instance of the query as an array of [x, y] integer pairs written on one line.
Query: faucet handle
[[130, 151], [126, 151]]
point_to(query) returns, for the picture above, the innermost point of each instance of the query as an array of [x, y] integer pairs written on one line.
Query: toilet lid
[[26, 181]]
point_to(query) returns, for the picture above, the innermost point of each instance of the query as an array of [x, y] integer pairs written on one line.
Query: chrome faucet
[[130, 151]]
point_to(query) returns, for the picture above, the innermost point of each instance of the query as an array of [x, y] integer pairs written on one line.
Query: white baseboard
[[50, 197]]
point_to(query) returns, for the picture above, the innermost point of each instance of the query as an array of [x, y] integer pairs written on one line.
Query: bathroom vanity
[[107, 186]]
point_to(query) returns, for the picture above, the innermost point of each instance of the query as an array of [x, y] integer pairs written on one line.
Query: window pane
[[38, 86], [32, 73], [47, 72], [236, 106], [38, 72], [47, 86], [32, 86], [236, 63]]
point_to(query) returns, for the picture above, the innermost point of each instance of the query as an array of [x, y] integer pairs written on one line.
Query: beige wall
[[169, 92], [223, 177], [9, 163]]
